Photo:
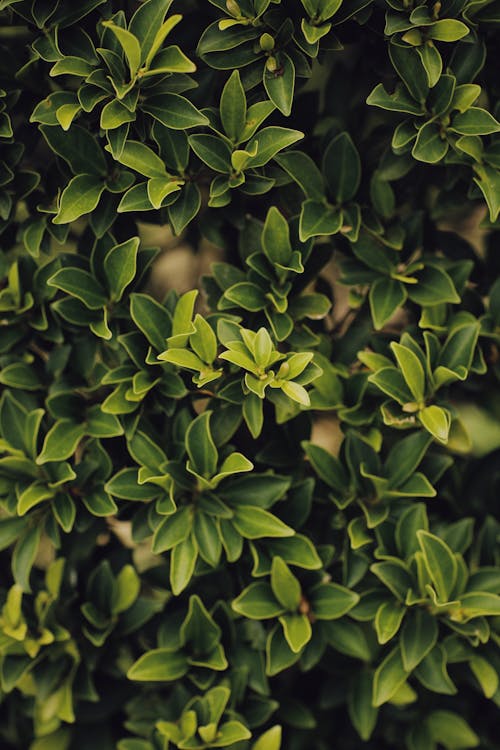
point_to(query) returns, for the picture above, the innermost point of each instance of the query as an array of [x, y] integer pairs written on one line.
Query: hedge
[[259, 511]]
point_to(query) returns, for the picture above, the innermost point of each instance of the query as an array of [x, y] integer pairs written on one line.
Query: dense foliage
[[259, 514]]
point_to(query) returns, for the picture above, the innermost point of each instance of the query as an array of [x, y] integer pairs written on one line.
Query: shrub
[[257, 513]]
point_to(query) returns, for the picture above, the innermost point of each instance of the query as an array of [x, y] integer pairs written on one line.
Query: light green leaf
[[440, 562], [412, 370], [436, 421], [285, 586], [159, 665], [79, 197], [61, 441], [257, 602], [389, 677], [129, 44], [257, 523], [297, 630]]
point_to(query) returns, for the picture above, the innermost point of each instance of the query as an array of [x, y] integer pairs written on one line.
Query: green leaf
[[159, 665], [432, 62], [458, 350], [203, 340], [400, 101], [278, 652], [389, 677], [318, 219], [296, 392], [436, 421], [486, 674], [173, 530], [128, 585], [100, 504], [388, 621], [330, 601], [480, 604], [342, 168], [157, 34], [432, 673], [269, 142], [20, 375], [203, 454], [253, 414], [79, 197], [451, 730], [386, 296], [285, 586], [359, 702], [276, 237], [430, 146], [297, 630], [170, 60], [327, 467], [185, 208], [247, 295], [270, 740], [61, 441], [80, 284], [142, 159], [78, 148], [230, 733], [418, 637], [447, 30], [412, 370], [183, 358], [151, 318], [440, 562], [256, 523], [161, 187], [33, 495], [391, 381], [24, 555], [394, 574], [488, 181], [120, 266], [433, 287], [114, 114], [129, 44], [233, 107], [304, 171], [280, 84], [257, 602], [408, 66], [182, 564], [174, 111], [125, 486], [405, 456], [475, 121], [213, 151], [145, 22], [255, 489]]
